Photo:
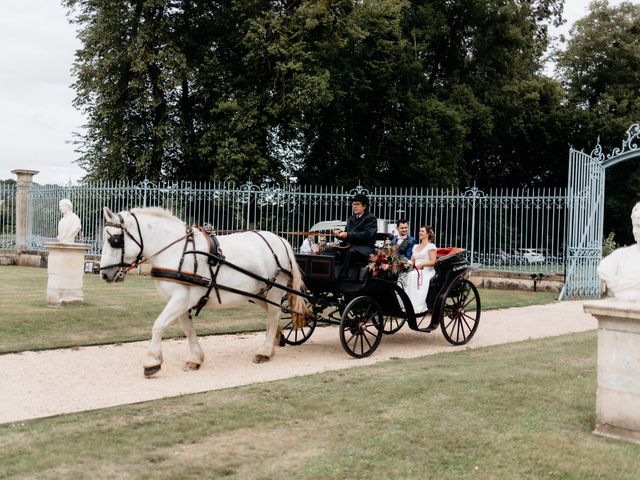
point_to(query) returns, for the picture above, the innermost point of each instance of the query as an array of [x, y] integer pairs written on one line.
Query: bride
[[423, 259]]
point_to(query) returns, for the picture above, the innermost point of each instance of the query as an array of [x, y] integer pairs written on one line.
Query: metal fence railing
[[510, 230], [7, 216]]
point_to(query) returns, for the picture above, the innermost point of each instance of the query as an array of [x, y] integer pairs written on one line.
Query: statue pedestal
[[66, 272], [618, 393]]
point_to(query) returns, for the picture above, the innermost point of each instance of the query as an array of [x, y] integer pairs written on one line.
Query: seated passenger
[[423, 258], [309, 246], [322, 244], [359, 236], [402, 239]]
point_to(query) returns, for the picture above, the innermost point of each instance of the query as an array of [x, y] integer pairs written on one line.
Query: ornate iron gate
[[585, 215], [512, 230]]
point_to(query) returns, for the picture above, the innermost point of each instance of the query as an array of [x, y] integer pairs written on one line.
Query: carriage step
[[427, 330]]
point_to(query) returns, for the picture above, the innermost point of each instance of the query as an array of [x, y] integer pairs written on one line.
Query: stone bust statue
[[621, 269], [69, 225]]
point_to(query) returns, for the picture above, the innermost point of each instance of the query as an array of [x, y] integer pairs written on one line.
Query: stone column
[[24, 178], [618, 392], [65, 268]]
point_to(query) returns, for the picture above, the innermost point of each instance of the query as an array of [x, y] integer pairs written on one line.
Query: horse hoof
[[149, 371], [191, 366], [260, 359]]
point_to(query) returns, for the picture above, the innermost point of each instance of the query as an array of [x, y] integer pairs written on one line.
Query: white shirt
[[308, 247]]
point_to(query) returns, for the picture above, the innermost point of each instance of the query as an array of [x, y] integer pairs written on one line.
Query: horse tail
[[299, 305]]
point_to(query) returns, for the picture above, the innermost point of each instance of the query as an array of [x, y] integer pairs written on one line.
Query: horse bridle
[[117, 241]]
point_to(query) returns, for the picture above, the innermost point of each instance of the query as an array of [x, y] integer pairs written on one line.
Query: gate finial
[[596, 153]]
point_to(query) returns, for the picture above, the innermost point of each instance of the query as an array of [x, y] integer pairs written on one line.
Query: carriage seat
[[448, 258], [444, 252]]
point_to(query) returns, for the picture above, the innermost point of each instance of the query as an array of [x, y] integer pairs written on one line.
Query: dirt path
[[53, 382]]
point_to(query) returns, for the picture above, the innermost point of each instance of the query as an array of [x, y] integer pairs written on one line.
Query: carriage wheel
[[392, 324], [290, 334], [361, 327], [461, 312]]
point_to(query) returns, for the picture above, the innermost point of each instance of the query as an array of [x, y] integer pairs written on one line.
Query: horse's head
[[122, 248]]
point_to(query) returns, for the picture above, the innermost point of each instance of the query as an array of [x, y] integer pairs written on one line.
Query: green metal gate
[[585, 213]]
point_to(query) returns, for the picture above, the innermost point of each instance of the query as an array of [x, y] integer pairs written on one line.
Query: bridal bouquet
[[388, 263]]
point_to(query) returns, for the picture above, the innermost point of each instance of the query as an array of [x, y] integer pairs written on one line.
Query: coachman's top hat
[[361, 197]]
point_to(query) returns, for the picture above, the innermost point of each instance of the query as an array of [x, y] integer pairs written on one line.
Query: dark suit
[[361, 233], [361, 238], [409, 250]]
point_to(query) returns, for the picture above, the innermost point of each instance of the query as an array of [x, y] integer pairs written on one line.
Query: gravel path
[[53, 382]]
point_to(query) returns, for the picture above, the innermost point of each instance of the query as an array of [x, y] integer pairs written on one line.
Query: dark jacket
[[407, 245], [362, 232]]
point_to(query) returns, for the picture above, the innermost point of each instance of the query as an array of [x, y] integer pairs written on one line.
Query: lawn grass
[[110, 313], [122, 312], [522, 410]]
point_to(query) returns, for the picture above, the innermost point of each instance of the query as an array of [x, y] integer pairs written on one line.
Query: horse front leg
[[153, 359], [196, 355], [267, 350]]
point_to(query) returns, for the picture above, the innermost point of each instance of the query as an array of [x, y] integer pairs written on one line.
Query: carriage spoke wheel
[[361, 327], [392, 324], [290, 334], [461, 312]]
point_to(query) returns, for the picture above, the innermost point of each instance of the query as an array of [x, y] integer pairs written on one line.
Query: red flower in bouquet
[[384, 264]]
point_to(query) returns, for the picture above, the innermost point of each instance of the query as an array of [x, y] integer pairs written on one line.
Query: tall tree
[[600, 70], [328, 91], [121, 86]]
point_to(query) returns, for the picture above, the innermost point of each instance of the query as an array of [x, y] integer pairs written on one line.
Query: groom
[[403, 240]]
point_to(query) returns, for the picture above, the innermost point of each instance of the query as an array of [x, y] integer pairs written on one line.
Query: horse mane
[[156, 212]]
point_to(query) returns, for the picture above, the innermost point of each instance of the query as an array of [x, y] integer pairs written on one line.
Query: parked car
[[328, 226], [385, 228], [530, 255], [500, 257]]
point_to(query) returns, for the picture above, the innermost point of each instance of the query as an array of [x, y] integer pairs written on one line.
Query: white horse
[[154, 235]]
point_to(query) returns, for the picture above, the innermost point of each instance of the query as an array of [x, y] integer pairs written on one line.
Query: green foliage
[[600, 70], [600, 63], [333, 92], [609, 244]]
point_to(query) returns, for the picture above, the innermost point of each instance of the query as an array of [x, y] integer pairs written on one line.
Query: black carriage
[[366, 308]]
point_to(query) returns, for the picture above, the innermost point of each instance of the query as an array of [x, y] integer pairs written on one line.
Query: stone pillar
[[66, 272], [24, 178], [618, 393]]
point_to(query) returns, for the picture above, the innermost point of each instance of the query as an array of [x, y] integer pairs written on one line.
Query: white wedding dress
[[416, 282]]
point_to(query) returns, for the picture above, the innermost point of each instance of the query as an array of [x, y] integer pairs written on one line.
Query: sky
[[37, 118]]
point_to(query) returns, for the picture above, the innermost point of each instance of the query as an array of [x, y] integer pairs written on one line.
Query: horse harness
[[215, 260]]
